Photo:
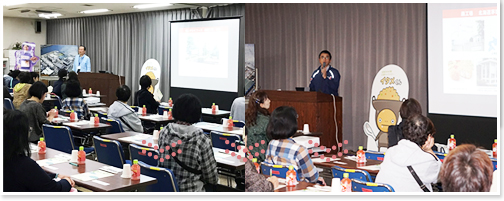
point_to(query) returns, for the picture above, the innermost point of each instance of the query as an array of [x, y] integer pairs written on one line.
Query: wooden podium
[[315, 109], [106, 83]]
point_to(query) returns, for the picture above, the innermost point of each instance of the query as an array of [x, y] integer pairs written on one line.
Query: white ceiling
[[70, 10]]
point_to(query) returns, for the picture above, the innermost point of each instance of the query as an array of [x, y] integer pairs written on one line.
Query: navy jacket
[[57, 87], [23, 174], [329, 85]]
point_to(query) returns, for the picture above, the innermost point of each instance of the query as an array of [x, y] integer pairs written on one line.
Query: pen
[[271, 174], [74, 164]]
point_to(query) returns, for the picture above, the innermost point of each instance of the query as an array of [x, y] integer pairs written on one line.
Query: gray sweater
[[36, 118], [126, 115]]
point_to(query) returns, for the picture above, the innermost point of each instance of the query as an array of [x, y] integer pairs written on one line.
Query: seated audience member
[[238, 109], [35, 77], [195, 165], [10, 80], [283, 150], [35, 112], [21, 173], [74, 102], [256, 121], [144, 97], [466, 169], [409, 108], [255, 182], [57, 85], [414, 150], [21, 89], [72, 76], [6, 93], [121, 111]]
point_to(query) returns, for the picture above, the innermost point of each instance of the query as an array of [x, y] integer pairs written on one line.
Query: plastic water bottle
[[290, 178], [56, 108], [96, 120], [90, 91], [135, 169], [452, 143], [214, 108], [361, 155], [494, 148], [346, 183], [257, 166], [73, 116], [81, 160], [170, 102], [170, 117], [230, 122], [41, 146], [144, 111]]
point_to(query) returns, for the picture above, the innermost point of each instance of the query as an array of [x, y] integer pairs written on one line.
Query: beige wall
[[21, 30]]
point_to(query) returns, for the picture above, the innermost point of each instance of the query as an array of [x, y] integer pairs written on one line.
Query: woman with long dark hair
[[256, 121]]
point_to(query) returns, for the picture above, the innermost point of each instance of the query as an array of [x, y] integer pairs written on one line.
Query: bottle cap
[[72, 111], [95, 115], [254, 160], [213, 103], [143, 105], [230, 117], [360, 147], [81, 148], [170, 98], [495, 140], [291, 167], [452, 136], [135, 161], [345, 175], [55, 107], [160, 128], [41, 139], [89, 88], [170, 109]]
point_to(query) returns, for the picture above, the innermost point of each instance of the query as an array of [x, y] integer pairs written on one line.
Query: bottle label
[[346, 186], [291, 179]]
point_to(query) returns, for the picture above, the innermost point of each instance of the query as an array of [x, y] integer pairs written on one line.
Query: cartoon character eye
[[392, 121], [379, 120]]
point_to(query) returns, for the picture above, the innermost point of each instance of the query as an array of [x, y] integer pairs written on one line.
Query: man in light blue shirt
[[82, 63]]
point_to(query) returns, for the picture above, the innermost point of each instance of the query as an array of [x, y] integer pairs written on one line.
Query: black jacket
[[144, 97], [395, 134]]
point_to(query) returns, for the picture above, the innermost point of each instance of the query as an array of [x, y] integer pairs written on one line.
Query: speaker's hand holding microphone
[[324, 70]]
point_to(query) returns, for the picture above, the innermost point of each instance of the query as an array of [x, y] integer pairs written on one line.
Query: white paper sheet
[[92, 175]]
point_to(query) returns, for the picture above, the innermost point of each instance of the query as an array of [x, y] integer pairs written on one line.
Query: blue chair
[[136, 153], [276, 170], [116, 125], [494, 163], [363, 186], [109, 152], [352, 173], [134, 108], [161, 109], [61, 139], [166, 181], [239, 124], [219, 140], [102, 115], [375, 155], [7, 103], [11, 90]]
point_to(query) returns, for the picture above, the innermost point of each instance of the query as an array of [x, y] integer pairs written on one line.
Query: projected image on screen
[[204, 54], [468, 40], [463, 64]]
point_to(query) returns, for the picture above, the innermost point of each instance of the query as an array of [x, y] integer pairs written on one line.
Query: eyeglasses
[[326, 57]]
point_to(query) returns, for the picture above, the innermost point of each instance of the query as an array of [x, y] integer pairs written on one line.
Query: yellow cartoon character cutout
[[387, 106]]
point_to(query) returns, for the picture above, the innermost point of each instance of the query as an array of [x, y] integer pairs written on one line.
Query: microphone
[[323, 65]]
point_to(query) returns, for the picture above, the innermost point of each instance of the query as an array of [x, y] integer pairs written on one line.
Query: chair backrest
[[239, 124], [166, 181], [375, 156], [142, 154], [102, 115], [276, 170], [57, 103], [219, 140], [363, 186], [161, 109], [109, 152], [116, 125], [8, 104], [59, 138], [352, 173]]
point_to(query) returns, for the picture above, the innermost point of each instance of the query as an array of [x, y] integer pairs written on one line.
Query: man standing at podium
[[82, 63], [325, 78]]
